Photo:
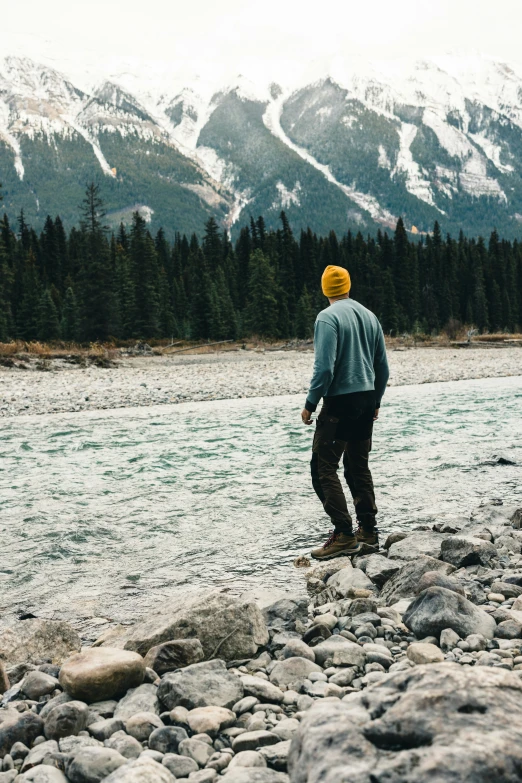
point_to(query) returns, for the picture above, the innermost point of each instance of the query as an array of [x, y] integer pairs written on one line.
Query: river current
[[109, 514]]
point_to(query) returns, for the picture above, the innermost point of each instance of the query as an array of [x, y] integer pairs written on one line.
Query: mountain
[[439, 139]]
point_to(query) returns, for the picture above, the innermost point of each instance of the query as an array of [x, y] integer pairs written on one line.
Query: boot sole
[[341, 553]]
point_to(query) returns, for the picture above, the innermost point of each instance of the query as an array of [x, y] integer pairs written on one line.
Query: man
[[350, 374]]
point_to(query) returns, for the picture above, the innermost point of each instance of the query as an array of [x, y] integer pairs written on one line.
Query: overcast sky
[[234, 34]]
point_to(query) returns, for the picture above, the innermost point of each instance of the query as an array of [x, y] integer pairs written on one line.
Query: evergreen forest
[[90, 284]]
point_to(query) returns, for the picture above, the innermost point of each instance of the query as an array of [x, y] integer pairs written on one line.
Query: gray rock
[[226, 627], [197, 750], [74, 744], [62, 698], [248, 758], [424, 542], [31, 640], [210, 720], [292, 670], [92, 765], [8, 776], [37, 684], [422, 653], [251, 740], [66, 719], [18, 727], [173, 655], [431, 723], [142, 770], [462, 551], [254, 775], [509, 629], [286, 728], [476, 642], [448, 639], [105, 709], [42, 774], [19, 751], [296, 648], [180, 766], [437, 608], [346, 581], [37, 754], [101, 673], [380, 569], [276, 756], [361, 606], [103, 729], [262, 689], [405, 582], [438, 579], [167, 739], [127, 746], [507, 589], [245, 705], [141, 725], [141, 699], [201, 685], [340, 651], [286, 614]]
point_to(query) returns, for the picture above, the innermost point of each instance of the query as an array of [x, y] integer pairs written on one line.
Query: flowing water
[[108, 514]]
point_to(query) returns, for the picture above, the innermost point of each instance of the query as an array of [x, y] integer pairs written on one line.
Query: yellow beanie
[[335, 281]]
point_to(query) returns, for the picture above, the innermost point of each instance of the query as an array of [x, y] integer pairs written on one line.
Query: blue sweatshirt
[[350, 354]]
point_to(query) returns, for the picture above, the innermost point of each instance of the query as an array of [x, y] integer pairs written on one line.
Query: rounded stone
[[247, 758], [92, 765], [210, 720], [66, 720], [37, 684], [180, 766], [420, 653], [141, 725], [167, 739], [101, 673]]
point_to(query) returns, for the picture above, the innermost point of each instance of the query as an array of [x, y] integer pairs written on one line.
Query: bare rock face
[[173, 655], [31, 640], [405, 582], [226, 627], [437, 608], [436, 723], [101, 673]]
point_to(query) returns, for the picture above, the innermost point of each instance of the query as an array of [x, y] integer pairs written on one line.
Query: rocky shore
[[59, 385], [398, 667]]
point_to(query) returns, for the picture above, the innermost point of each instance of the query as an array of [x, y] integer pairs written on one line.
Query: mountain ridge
[[356, 148]]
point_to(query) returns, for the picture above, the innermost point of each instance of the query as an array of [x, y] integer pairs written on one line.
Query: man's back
[[350, 354]]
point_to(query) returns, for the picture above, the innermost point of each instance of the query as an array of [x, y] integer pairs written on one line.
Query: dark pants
[[344, 431]]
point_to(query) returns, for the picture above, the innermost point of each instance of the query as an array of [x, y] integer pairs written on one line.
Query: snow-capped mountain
[[438, 139]]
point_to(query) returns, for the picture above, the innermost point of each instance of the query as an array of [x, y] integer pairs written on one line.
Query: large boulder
[[226, 627], [466, 550], [404, 583], [287, 614], [173, 655], [31, 640], [424, 542], [201, 685], [435, 723], [437, 608], [101, 673], [380, 569], [18, 727], [346, 581]]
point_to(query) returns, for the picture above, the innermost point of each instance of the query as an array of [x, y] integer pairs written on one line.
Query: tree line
[[93, 285]]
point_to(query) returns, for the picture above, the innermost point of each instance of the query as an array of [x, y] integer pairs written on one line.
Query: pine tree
[[304, 319], [262, 309], [47, 319], [70, 325]]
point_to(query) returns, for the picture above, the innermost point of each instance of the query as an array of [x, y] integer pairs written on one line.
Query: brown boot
[[337, 545], [368, 539]]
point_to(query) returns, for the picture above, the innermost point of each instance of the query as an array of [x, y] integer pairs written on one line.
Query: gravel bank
[[401, 666], [147, 381]]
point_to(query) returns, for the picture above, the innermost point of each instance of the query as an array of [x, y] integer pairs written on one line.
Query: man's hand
[[306, 416], [376, 414]]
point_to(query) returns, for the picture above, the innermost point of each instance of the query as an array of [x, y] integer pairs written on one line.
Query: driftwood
[[204, 345]]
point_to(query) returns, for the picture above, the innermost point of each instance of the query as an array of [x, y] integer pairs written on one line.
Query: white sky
[[238, 36]]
